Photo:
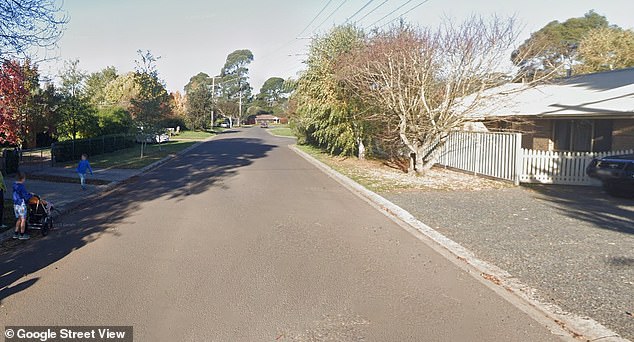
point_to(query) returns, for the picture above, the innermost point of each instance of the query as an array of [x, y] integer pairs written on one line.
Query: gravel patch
[[575, 245]]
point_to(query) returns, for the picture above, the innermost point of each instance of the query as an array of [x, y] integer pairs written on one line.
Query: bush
[[174, 122], [11, 161], [72, 150], [114, 121]]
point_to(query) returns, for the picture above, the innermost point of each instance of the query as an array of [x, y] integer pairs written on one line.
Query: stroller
[[39, 215]]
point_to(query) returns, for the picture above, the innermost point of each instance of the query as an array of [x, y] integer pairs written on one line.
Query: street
[[241, 239]]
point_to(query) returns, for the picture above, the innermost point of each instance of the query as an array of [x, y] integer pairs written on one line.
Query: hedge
[[73, 149]]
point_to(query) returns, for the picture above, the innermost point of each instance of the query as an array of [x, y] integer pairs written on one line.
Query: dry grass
[[379, 177]]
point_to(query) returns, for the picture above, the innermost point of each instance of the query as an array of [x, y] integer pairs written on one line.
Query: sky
[[193, 36]]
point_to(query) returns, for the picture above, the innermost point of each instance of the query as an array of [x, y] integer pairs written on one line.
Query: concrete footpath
[[60, 185]]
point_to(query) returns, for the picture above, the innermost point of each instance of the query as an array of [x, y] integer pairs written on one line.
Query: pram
[[39, 215]]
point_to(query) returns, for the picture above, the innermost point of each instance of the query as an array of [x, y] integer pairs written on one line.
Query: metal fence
[[73, 149]]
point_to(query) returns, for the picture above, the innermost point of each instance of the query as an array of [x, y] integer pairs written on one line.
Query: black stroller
[[39, 215]]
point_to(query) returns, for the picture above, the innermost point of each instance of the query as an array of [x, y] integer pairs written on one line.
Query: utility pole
[[213, 108], [240, 107]]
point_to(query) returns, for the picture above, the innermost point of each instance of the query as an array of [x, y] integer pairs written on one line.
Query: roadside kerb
[[560, 322], [70, 206]]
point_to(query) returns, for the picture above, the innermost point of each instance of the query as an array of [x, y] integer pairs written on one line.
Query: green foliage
[[606, 48], [556, 43], [152, 104], [199, 103], [324, 115], [120, 91], [97, 83], [76, 113], [114, 120], [234, 83]]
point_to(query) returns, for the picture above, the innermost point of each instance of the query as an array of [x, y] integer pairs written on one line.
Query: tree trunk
[[361, 150]]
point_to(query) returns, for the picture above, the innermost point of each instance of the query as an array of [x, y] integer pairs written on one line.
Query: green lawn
[[130, 158], [194, 135], [281, 130]]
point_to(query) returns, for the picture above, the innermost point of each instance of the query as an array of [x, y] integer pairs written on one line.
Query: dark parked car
[[615, 172]]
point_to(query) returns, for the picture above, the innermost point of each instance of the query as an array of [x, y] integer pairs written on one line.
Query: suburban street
[[241, 239]]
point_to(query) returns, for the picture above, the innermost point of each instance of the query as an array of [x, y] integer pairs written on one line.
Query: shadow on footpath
[[590, 204], [189, 174]]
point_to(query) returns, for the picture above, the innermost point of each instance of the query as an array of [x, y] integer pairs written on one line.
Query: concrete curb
[[567, 325], [70, 206]]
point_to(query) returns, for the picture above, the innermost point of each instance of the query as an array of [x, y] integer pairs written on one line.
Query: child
[[20, 200], [84, 165]]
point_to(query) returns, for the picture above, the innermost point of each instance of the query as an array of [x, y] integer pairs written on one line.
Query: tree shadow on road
[[192, 173], [590, 204]]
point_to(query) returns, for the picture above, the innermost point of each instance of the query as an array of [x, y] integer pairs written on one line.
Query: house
[[266, 118], [585, 113]]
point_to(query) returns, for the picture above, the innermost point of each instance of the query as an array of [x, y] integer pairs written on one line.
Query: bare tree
[[426, 83], [26, 24]]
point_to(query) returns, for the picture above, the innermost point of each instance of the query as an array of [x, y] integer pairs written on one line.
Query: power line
[[389, 14], [331, 14], [280, 47], [372, 11], [405, 13], [357, 12], [315, 18]]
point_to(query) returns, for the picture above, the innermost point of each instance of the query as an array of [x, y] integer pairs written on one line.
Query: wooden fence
[[499, 155], [484, 153], [550, 167]]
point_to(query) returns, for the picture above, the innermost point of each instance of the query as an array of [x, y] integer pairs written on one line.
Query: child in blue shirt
[[83, 166], [20, 199]]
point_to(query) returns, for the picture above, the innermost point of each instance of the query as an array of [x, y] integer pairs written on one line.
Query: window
[[582, 135]]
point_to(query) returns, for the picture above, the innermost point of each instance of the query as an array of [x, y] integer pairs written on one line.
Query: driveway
[[575, 245], [241, 239]]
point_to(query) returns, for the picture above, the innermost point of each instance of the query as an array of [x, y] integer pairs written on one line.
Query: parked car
[[264, 124], [152, 138], [615, 172], [224, 125]]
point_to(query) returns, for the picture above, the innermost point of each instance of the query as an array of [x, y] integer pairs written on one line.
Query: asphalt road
[[243, 240]]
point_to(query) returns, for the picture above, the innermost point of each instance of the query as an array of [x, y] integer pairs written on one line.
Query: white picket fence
[[482, 153], [549, 167], [500, 155]]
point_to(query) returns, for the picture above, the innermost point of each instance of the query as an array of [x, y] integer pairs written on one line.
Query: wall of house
[[623, 134], [536, 134]]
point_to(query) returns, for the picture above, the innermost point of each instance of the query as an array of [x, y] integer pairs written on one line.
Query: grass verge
[[281, 131], [382, 177], [130, 158], [194, 135]]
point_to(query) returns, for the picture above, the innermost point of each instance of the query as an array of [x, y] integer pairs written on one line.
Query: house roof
[[266, 117], [604, 94]]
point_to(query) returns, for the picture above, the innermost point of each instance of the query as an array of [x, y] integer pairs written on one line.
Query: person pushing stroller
[[20, 199]]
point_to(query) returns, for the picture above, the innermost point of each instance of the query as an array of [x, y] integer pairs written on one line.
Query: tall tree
[[233, 85], [152, 104], [121, 91], [556, 44], [97, 83], [325, 113], [77, 114], [425, 83], [14, 98], [606, 48], [26, 24], [199, 103]]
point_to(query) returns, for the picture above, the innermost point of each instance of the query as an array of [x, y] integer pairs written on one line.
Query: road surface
[[243, 240]]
